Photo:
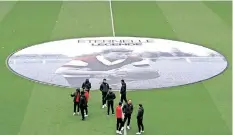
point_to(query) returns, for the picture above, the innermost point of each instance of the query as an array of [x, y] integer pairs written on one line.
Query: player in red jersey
[[76, 96], [119, 117]]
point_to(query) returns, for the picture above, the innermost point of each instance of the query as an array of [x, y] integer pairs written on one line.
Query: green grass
[[28, 108]]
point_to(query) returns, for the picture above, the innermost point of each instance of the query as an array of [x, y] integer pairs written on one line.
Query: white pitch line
[[124, 127], [112, 20], [125, 130], [113, 33]]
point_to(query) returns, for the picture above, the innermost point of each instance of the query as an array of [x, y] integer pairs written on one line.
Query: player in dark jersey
[[86, 85]]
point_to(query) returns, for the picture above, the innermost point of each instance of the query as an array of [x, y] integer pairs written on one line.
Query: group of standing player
[[80, 99], [123, 112]]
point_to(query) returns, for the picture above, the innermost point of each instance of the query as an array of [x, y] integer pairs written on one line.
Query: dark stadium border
[[147, 89]]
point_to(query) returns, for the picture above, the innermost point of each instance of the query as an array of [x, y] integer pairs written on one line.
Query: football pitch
[[30, 108]]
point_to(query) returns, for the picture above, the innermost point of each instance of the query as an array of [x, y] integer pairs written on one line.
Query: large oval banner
[[142, 62]]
